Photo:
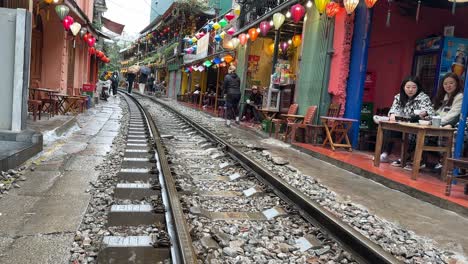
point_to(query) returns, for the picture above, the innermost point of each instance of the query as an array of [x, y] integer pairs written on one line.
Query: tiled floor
[[425, 182]]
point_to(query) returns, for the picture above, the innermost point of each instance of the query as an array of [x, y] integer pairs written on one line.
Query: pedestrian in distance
[[130, 79], [231, 87], [115, 82], [151, 80], [142, 82]]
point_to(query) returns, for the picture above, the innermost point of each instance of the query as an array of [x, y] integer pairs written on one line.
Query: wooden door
[[71, 66]]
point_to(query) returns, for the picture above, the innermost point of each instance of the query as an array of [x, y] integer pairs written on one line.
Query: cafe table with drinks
[[422, 129]]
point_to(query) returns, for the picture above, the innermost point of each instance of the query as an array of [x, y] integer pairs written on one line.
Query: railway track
[[236, 210]]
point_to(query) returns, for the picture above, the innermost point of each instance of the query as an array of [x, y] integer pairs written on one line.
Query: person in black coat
[[115, 82], [231, 87], [130, 78]]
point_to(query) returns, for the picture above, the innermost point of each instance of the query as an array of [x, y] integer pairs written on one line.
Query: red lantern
[[332, 9], [86, 37], [370, 3], [297, 12], [253, 34], [91, 51], [229, 16], [99, 54], [91, 41], [264, 27], [67, 22]]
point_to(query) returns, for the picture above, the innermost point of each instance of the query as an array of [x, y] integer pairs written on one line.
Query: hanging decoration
[[235, 42], [216, 26], [370, 3], [278, 20], [242, 39], [270, 49], [67, 22], [223, 23], [99, 54], [194, 40], [350, 5], [86, 37], [201, 68], [236, 9], [207, 63], [231, 31], [62, 11], [91, 41], [284, 46], [228, 58], [297, 12], [321, 5], [83, 31], [297, 40], [418, 10], [92, 51], [217, 38], [75, 28], [253, 34], [229, 16], [217, 60], [264, 27], [332, 9], [222, 34]]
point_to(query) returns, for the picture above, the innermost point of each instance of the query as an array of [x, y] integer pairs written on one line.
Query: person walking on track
[[231, 87], [130, 78]]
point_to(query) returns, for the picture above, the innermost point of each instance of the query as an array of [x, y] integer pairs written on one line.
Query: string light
[[289, 42], [258, 30], [288, 14], [271, 22], [309, 4]]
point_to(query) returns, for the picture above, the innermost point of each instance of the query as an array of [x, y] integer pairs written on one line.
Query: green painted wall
[[314, 66]]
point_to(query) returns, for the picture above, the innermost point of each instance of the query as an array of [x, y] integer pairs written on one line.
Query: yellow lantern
[[236, 9], [222, 34], [194, 39], [321, 5], [48, 1], [297, 40], [216, 26], [278, 20], [270, 49], [350, 5]]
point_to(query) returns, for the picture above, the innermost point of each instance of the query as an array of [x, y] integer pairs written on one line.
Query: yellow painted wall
[[260, 48], [184, 82], [198, 78]]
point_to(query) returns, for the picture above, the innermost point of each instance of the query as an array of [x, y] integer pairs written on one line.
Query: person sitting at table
[[448, 103], [410, 102], [253, 103]]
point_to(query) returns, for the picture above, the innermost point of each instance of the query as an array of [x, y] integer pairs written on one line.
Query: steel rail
[[362, 248], [182, 251]]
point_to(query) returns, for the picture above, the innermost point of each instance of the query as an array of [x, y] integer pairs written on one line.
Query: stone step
[[131, 249], [134, 215]]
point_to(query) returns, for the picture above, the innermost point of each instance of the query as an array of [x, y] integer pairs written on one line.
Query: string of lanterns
[[215, 63], [69, 24]]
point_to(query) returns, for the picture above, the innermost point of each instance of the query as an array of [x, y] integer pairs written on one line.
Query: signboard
[[202, 50]]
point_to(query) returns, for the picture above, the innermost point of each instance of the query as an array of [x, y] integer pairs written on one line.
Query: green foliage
[[169, 51]]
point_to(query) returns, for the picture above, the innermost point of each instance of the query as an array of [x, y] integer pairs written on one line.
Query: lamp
[[278, 20], [350, 5], [321, 5]]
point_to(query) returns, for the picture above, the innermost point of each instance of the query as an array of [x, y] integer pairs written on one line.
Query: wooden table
[[421, 131], [337, 125], [49, 92], [268, 114]]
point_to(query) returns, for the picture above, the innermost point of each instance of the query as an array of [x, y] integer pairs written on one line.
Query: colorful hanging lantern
[[332, 9], [265, 27], [229, 16], [297, 40], [62, 11], [48, 1], [253, 34], [207, 63], [83, 31], [86, 37], [217, 60], [236, 9], [217, 38], [194, 40], [231, 31], [284, 46], [278, 20], [201, 68], [222, 34], [350, 5], [91, 51], [228, 58], [99, 54], [207, 28], [223, 22], [67, 22], [370, 3], [243, 39], [270, 49], [216, 26], [194, 47], [75, 28], [321, 5], [91, 41], [235, 42], [297, 12]]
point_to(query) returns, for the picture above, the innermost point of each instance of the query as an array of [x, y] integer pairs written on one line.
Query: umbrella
[[134, 69], [145, 70]]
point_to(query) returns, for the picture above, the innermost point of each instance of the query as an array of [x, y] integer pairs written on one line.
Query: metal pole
[[217, 92], [461, 126]]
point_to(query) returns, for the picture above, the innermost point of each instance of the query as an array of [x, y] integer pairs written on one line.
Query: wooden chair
[[276, 122], [308, 120], [35, 106], [461, 178], [333, 111]]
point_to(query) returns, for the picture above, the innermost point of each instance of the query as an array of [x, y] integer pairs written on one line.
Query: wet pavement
[[38, 221], [443, 226]]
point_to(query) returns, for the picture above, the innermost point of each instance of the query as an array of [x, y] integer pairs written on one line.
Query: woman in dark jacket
[[115, 82], [231, 87], [130, 78]]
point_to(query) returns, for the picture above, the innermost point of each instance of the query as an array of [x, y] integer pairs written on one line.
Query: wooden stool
[[35, 107]]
